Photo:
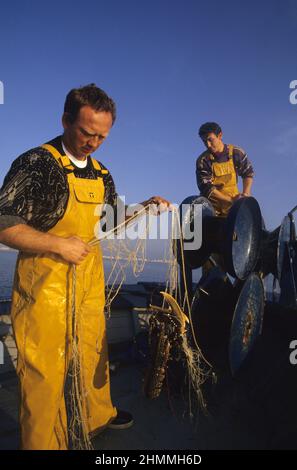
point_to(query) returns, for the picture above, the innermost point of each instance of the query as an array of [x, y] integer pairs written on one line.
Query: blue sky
[[170, 66]]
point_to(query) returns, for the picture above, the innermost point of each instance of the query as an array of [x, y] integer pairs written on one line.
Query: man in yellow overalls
[[218, 168], [47, 211], [217, 171]]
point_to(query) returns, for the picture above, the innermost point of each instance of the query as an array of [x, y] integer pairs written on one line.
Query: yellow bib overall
[[42, 322], [225, 180]]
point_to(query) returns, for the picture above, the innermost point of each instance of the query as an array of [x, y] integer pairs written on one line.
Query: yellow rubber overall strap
[[63, 159], [98, 167]]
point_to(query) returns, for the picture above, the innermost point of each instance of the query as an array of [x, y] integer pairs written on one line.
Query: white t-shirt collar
[[76, 161]]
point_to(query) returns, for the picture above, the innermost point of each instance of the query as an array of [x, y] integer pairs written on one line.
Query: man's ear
[[220, 135], [66, 120]]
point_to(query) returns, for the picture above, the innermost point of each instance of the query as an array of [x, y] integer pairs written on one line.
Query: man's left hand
[[158, 205]]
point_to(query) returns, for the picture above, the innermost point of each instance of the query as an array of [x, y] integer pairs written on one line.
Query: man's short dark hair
[[208, 128], [88, 95]]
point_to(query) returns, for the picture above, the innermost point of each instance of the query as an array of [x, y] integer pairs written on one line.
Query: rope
[[78, 428]]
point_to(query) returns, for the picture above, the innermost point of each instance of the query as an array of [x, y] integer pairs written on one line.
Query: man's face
[[214, 142], [87, 133]]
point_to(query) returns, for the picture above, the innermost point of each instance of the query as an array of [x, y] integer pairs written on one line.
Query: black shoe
[[123, 420]]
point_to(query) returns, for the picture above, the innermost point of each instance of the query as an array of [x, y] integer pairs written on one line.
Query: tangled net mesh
[[125, 253]]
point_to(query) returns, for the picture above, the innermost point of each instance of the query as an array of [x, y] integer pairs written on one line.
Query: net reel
[[278, 256], [236, 238], [227, 318]]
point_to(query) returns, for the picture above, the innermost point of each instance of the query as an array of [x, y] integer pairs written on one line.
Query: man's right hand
[[73, 249], [25, 238], [236, 197], [239, 196]]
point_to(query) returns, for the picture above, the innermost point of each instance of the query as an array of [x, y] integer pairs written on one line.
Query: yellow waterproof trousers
[[225, 180], [42, 322]]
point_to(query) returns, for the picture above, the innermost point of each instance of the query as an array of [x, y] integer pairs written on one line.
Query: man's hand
[[25, 238], [239, 196], [73, 249], [158, 204]]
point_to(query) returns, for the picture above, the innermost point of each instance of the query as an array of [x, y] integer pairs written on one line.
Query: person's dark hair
[[209, 127], [88, 95]]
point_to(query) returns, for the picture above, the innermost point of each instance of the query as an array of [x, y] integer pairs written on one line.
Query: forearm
[[158, 203], [247, 185], [25, 238]]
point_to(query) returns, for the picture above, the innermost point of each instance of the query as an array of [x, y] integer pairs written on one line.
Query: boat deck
[[256, 410]]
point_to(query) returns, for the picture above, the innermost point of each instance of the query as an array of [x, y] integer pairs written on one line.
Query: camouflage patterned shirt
[[35, 190]]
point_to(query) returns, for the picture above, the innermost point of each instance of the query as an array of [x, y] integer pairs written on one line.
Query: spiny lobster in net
[[166, 334]]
